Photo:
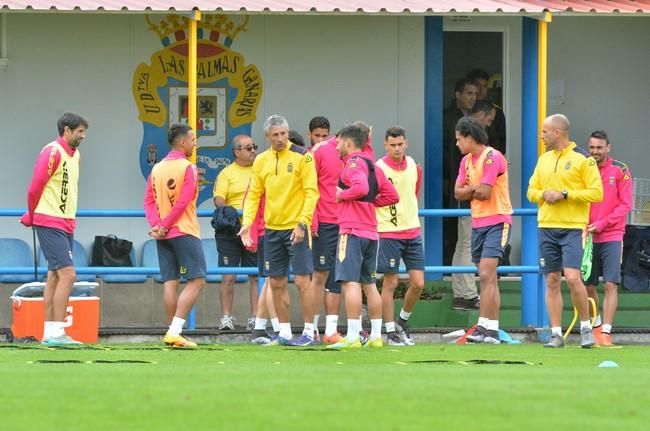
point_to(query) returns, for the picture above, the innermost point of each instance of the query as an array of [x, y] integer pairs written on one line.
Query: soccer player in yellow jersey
[[285, 174], [229, 189], [565, 182], [170, 208], [399, 236], [51, 212]]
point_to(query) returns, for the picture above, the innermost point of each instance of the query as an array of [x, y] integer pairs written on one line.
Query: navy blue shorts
[[56, 246], [490, 241], [324, 253], [606, 262], [331, 285], [181, 256], [260, 256], [559, 248], [232, 252], [324, 246], [356, 259], [392, 250], [279, 253]]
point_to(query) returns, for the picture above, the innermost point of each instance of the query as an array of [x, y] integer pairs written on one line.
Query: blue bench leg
[[191, 319]]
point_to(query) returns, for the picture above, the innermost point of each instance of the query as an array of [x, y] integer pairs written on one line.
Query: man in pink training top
[[361, 188], [51, 211], [170, 208], [607, 221], [483, 181], [325, 228]]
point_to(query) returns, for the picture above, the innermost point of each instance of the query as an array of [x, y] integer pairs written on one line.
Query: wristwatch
[[565, 194], [302, 226]]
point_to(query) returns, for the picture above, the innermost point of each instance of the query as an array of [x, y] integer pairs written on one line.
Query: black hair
[[319, 123], [176, 131], [460, 85], [70, 120], [476, 74], [600, 134], [296, 138], [483, 106], [395, 132], [356, 133], [468, 126]]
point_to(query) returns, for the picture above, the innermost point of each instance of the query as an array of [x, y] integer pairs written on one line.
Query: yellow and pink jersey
[[490, 168], [53, 191], [170, 196]]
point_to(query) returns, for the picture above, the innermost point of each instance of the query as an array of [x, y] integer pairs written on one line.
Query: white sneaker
[[227, 323], [251, 323]]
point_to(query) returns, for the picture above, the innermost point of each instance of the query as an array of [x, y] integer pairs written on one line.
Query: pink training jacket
[[187, 195], [609, 216], [42, 173], [357, 217], [328, 168], [408, 233]]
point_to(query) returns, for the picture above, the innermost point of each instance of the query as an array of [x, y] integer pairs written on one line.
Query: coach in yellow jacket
[[286, 175], [565, 181]]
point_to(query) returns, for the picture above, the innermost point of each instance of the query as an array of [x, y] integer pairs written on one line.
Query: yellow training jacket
[[288, 179], [574, 171]]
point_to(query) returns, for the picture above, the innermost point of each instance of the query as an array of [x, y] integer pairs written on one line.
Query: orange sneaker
[[332, 339], [178, 341], [604, 339]]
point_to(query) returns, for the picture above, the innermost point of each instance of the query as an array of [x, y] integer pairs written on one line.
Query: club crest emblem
[[228, 94]]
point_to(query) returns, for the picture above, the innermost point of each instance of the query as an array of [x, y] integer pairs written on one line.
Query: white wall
[[346, 68], [604, 64]]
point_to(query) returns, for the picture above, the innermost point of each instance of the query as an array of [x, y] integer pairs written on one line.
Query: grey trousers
[[464, 285]]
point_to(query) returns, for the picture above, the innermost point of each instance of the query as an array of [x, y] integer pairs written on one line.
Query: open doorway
[[478, 56]]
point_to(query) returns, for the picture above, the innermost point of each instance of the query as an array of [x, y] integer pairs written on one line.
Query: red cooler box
[[82, 317]]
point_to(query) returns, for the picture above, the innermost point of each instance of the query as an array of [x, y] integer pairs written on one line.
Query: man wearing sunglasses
[[229, 190]]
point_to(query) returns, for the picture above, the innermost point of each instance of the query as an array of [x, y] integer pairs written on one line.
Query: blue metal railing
[[17, 212]]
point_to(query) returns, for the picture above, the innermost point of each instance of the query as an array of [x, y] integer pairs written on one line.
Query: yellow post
[[542, 52], [191, 82]]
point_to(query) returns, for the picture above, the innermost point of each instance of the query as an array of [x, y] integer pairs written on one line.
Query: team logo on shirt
[[568, 165], [612, 181], [228, 94], [289, 167], [626, 177]]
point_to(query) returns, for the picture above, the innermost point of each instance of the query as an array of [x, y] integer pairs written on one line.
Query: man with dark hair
[[319, 130], [607, 221], [170, 208], [483, 180], [285, 175], [229, 190], [51, 211], [399, 236], [564, 184], [325, 229], [361, 188], [497, 129], [457, 231], [484, 112]]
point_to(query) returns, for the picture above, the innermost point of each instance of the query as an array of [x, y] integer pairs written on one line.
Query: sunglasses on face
[[250, 147]]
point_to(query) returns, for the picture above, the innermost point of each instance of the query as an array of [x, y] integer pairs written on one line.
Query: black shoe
[[466, 304], [478, 336], [402, 329], [491, 337]]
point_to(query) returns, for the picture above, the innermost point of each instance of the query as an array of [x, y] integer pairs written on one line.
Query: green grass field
[[234, 387]]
